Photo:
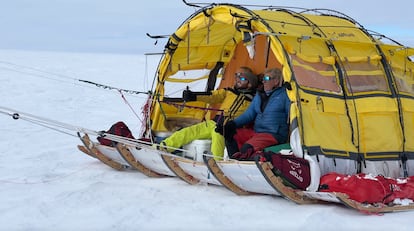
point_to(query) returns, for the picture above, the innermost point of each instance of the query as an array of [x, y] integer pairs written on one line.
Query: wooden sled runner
[[150, 158], [174, 167], [370, 208], [165, 163], [241, 177], [141, 157], [224, 180], [86, 151], [128, 157], [107, 155], [307, 197], [189, 168], [277, 183], [344, 199]]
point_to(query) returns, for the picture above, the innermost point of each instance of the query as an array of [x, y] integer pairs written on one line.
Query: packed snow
[[47, 184]]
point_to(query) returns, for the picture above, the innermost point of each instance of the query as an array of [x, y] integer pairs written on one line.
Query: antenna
[[191, 4]]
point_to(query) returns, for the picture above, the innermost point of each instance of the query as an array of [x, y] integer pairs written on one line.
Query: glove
[[248, 156], [229, 130], [238, 156], [189, 96], [247, 153], [219, 127]]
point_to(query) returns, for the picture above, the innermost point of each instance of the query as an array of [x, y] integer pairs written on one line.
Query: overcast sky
[[120, 25]]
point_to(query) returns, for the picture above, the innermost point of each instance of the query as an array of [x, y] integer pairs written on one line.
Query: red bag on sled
[[294, 171], [404, 188], [360, 187], [119, 129], [366, 188]]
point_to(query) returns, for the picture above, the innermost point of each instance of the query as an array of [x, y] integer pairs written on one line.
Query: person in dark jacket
[[233, 101], [269, 111]]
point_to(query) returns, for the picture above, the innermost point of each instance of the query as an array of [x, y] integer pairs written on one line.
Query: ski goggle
[[240, 76], [267, 78]]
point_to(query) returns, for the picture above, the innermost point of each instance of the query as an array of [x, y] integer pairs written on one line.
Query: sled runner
[[241, 177], [342, 198], [129, 153], [190, 169], [312, 197], [222, 178], [373, 208], [128, 157], [174, 167], [277, 183], [318, 197], [86, 151], [150, 158], [107, 155]]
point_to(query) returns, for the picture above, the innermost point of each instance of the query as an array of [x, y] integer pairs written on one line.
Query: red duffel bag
[[360, 187]]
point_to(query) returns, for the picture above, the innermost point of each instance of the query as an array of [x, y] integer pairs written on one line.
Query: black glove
[[189, 96], [229, 130], [219, 128], [248, 156]]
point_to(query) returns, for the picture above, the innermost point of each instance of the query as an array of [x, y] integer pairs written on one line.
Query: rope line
[[60, 77], [53, 124], [113, 88], [31, 71], [129, 105], [49, 123]]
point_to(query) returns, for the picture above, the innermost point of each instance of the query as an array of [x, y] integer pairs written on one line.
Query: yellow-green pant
[[203, 130]]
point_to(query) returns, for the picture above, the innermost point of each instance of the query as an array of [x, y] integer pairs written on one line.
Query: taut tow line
[[66, 128], [45, 122], [115, 88]]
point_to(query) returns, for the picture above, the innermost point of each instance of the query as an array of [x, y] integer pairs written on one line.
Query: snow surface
[[47, 184]]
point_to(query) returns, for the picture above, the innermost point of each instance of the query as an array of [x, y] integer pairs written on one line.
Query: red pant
[[259, 141]]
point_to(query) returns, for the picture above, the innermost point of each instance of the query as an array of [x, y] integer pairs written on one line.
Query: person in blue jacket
[[269, 110]]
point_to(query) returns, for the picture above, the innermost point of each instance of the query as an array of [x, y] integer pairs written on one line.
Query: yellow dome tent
[[352, 90]]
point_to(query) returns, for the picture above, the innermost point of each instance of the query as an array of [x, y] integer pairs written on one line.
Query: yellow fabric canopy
[[352, 95]]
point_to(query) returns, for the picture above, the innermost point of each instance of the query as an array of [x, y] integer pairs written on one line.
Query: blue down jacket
[[270, 114]]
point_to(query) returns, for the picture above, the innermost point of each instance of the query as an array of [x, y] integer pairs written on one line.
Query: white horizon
[[121, 26]]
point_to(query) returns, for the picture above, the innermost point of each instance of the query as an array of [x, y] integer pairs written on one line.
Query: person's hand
[[219, 127], [229, 130], [189, 96], [239, 156], [248, 154]]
